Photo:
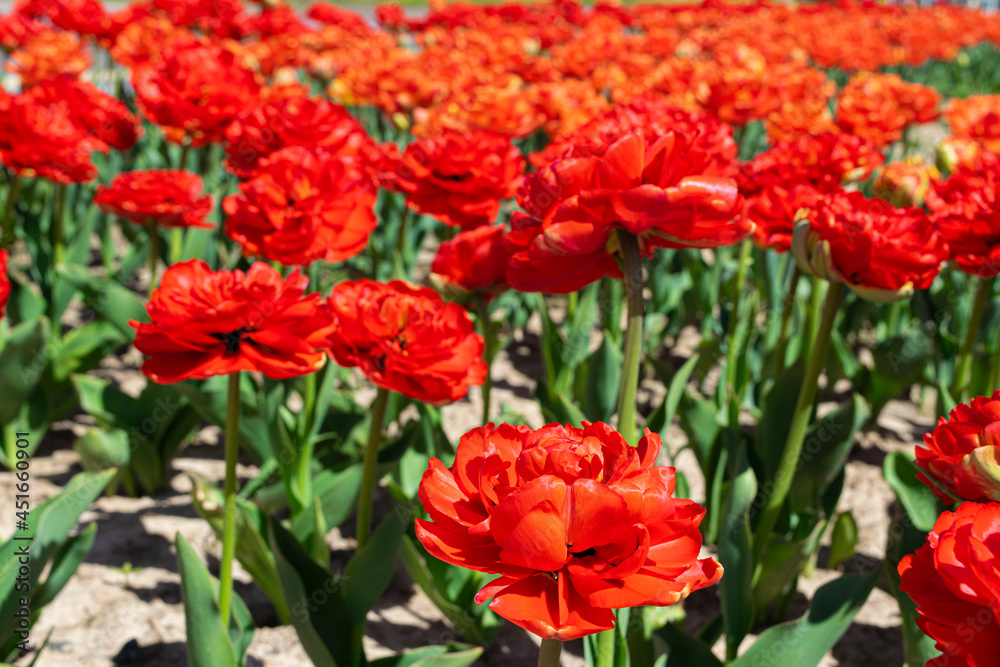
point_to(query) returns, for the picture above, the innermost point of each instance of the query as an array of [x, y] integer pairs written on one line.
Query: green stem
[[56, 228], [185, 149], [995, 371], [963, 375], [800, 421], [303, 471], [731, 361], [815, 310], [370, 467], [13, 194], [229, 491], [402, 234], [176, 244], [490, 344], [154, 253], [605, 649], [632, 273], [786, 318], [895, 313], [548, 654]]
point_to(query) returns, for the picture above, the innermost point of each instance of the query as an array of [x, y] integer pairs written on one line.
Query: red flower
[[664, 191], [45, 141], [652, 118], [976, 117], [316, 124], [207, 323], [575, 521], [168, 197], [473, 261], [881, 252], [966, 209], [825, 161], [774, 210], [300, 207], [880, 106], [101, 115], [4, 282], [962, 453], [406, 339], [47, 54], [184, 95], [906, 183], [955, 583], [460, 178]]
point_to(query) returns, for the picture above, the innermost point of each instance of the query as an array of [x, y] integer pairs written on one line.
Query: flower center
[[234, 338]]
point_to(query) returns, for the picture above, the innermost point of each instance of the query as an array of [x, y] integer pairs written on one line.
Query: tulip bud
[[955, 152], [905, 183]]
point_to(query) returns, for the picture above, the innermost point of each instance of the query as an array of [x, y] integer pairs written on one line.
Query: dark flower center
[[451, 177], [585, 553], [234, 338]]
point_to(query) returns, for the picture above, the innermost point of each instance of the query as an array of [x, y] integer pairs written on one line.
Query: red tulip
[[954, 580], [881, 252], [183, 93], [405, 339], [4, 282], [906, 183], [166, 197], [44, 140], [575, 521], [774, 210], [966, 209], [663, 191], [301, 206], [962, 453], [475, 261], [102, 116], [206, 323], [460, 178], [316, 124]]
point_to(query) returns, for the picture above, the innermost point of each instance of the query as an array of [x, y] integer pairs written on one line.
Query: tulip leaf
[[320, 614], [337, 492], [827, 444], [581, 326], [804, 642], [208, 643], [22, 360], [661, 418], [100, 449], [556, 407], [370, 570], [603, 381], [112, 301], [778, 407], [82, 348], [251, 549], [65, 562], [917, 498], [844, 539], [455, 655], [736, 549], [685, 650]]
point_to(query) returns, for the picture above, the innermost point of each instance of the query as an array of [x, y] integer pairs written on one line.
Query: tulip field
[[610, 335]]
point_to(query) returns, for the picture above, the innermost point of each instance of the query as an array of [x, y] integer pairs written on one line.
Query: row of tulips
[[741, 172]]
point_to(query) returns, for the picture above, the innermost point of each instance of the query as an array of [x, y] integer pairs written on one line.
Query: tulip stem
[[731, 360], [632, 273], [370, 467], [303, 472], [819, 287], [56, 228], [984, 291], [800, 421], [154, 253], [13, 194], [490, 343], [229, 491], [548, 653], [994, 372], [781, 348]]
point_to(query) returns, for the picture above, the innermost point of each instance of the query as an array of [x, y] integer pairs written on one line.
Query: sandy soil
[[106, 617]]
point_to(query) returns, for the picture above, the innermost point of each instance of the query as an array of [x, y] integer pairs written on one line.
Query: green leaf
[[251, 549], [337, 493], [777, 407], [676, 383], [208, 643], [804, 642], [556, 407], [604, 378], [919, 500], [685, 650], [319, 613], [100, 449], [827, 444], [455, 655], [370, 570], [65, 562], [22, 360], [56, 517], [111, 300], [735, 550], [81, 349], [697, 419], [844, 539], [577, 345]]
